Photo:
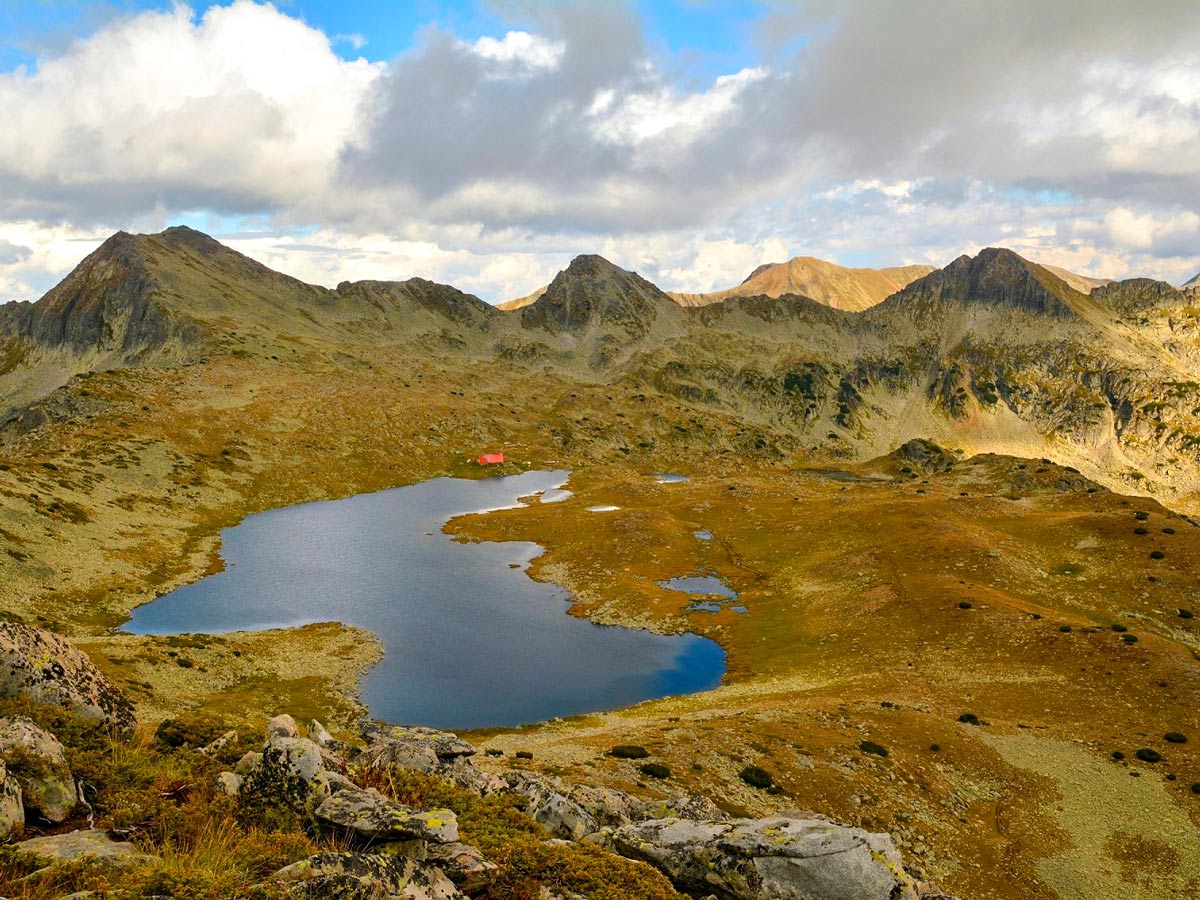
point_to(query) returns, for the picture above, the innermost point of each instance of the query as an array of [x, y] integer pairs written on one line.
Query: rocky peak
[[440, 299], [591, 291], [995, 277], [1138, 294]]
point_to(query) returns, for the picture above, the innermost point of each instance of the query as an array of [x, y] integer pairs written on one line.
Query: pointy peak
[[592, 291], [996, 277], [1194, 282]]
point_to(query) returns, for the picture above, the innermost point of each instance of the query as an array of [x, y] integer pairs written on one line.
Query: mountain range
[[992, 352]]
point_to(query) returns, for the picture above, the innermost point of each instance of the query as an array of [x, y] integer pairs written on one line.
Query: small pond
[[709, 593], [471, 640]]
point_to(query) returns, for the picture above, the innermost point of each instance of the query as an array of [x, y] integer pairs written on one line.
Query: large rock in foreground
[[355, 876], [375, 818], [777, 858], [12, 809], [94, 845], [49, 669], [36, 759]]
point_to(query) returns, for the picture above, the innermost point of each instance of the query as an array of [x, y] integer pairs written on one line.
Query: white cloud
[[491, 162], [244, 106], [521, 49]]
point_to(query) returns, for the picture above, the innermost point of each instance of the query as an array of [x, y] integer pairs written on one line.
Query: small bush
[[1119, 628], [1157, 554], [1129, 638], [1148, 755], [756, 777], [1118, 755], [873, 748], [523, 754], [654, 770], [964, 605], [1186, 614], [629, 751], [1168, 531], [936, 748], [969, 719], [1140, 530], [1064, 628], [1196, 787], [1175, 737], [1141, 516], [494, 751], [189, 731]]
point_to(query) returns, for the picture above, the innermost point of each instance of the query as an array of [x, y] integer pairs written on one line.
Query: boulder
[[36, 759], [12, 810], [93, 844], [282, 727], [229, 737], [549, 805], [411, 747], [375, 818], [463, 864], [777, 858], [229, 783], [365, 876], [289, 771], [50, 670]]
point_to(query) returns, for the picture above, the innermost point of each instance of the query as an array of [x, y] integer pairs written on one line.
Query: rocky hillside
[[991, 353], [397, 813]]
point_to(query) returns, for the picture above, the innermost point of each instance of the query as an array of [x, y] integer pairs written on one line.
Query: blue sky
[[486, 143], [712, 36]]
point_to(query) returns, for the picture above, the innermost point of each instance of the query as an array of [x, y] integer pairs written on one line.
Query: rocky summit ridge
[[1095, 380]]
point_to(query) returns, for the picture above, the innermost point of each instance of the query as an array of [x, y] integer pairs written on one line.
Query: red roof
[[489, 459]]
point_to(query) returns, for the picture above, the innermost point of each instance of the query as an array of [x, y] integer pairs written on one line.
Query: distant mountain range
[[853, 289], [992, 352]]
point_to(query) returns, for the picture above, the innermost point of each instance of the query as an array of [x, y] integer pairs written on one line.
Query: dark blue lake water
[[470, 640]]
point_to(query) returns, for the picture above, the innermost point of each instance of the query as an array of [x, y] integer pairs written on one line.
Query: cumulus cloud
[[871, 133], [243, 109]]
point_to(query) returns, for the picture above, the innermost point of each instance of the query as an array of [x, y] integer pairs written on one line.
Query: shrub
[[1064, 628], [964, 605], [188, 731], [1118, 627], [1140, 530], [1168, 531], [1186, 614], [1118, 755], [494, 751], [873, 748], [1157, 554], [1196, 787], [969, 719], [936, 748], [1141, 516], [1129, 638], [654, 770], [756, 776], [629, 751], [1147, 755], [1175, 737], [523, 754]]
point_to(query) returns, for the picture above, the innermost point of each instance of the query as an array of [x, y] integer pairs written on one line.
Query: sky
[[485, 144]]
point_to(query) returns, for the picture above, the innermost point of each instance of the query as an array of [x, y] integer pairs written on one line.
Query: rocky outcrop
[[362, 876], [12, 809], [36, 759], [93, 844], [289, 771], [372, 817], [778, 858], [49, 669]]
